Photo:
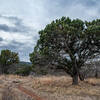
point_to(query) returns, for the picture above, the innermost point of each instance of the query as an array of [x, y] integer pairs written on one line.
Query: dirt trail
[[30, 93], [11, 89], [47, 88]]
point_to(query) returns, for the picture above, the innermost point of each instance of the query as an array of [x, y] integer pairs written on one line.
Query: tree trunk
[[81, 76], [75, 79], [2, 70]]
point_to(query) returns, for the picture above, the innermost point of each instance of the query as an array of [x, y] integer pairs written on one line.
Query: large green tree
[[68, 44], [7, 58]]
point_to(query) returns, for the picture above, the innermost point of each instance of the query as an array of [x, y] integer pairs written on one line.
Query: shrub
[[24, 71]]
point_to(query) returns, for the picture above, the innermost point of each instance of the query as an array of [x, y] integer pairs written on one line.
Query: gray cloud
[[83, 9], [89, 3], [22, 48], [22, 40], [38, 13], [7, 28], [17, 28], [18, 25], [13, 45], [1, 39]]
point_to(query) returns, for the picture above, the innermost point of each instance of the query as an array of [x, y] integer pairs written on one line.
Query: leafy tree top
[[7, 57], [68, 43]]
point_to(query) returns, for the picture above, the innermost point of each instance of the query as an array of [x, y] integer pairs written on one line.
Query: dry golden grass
[[63, 85], [53, 87]]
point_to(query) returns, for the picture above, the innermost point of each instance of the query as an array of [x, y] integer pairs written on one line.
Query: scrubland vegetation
[[48, 88], [64, 44]]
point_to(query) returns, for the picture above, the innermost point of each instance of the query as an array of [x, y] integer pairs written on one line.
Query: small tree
[[7, 58], [69, 44]]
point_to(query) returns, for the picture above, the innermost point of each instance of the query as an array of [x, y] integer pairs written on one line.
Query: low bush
[[24, 71]]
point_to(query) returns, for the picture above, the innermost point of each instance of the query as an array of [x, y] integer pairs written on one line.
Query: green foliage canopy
[[7, 58], [69, 44]]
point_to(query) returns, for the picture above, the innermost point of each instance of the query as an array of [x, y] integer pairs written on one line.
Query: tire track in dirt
[[30, 93], [15, 84]]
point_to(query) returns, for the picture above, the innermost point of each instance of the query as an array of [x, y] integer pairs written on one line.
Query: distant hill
[[25, 63], [15, 67]]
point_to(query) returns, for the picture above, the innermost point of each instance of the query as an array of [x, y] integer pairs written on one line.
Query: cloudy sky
[[20, 20]]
